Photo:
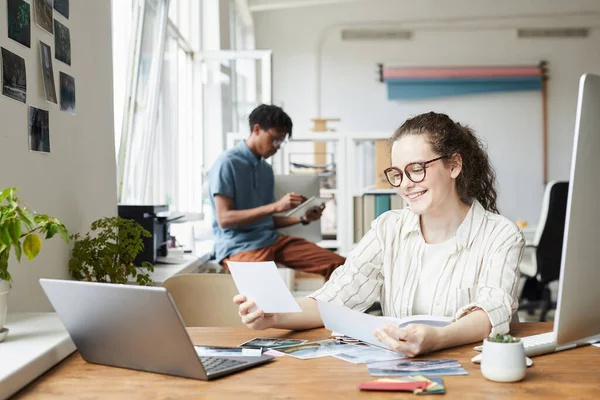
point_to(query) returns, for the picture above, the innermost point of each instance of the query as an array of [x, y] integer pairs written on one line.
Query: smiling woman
[[449, 254]]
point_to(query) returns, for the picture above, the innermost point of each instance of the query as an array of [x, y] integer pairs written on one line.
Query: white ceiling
[[268, 5]]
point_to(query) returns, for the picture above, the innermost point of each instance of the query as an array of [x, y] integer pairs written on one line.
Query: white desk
[[36, 342], [188, 263], [184, 264]]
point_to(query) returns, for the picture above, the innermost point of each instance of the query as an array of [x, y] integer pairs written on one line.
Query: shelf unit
[[343, 144]]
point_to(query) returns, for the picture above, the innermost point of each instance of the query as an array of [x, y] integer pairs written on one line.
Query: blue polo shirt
[[249, 180]]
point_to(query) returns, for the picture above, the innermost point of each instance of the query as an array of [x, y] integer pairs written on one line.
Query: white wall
[[456, 32], [76, 182]]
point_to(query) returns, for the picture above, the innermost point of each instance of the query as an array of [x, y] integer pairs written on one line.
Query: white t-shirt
[[435, 258]]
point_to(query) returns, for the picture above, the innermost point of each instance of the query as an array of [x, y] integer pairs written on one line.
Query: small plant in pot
[[503, 359], [20, 228], [108, 254]]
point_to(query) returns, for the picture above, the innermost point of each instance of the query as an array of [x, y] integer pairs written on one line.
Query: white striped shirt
[[482, 271]]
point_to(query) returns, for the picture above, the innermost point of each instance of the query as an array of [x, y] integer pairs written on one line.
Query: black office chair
[[544, 266]]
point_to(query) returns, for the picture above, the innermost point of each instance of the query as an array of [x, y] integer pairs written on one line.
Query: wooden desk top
[[568, 374]]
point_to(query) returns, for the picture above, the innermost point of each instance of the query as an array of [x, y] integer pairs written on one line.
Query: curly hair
[[268, 116], [477, 179]]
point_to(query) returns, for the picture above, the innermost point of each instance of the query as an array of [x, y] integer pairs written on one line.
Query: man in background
[[241, 185]]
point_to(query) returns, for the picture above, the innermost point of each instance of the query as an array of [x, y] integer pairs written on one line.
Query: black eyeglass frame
[[423, 165]]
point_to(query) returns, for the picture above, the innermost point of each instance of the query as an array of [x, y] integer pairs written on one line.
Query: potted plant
[[109, 255], [503, 359], [19, 229]]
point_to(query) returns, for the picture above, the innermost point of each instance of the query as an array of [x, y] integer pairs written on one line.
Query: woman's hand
[[254, 320], [411, 340]]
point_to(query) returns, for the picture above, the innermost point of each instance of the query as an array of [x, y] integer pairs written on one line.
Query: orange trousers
[[295, 253]]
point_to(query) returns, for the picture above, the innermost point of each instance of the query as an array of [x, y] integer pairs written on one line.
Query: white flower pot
[[4, 289], [503, 362]]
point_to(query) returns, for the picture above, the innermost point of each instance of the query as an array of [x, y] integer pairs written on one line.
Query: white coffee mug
[[503, 362]]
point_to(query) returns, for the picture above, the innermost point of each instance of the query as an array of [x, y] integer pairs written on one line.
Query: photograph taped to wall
[[14, 77], [67, 93], [62, 43], [43, 14], [39, 130], [19, 21], [48, 72], [62, 7]]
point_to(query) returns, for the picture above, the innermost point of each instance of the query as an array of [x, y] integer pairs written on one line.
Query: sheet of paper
[[261, 282], [351, 323]]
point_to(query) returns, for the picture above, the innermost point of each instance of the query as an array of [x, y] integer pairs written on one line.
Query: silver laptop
[[135, 327], [577, 318]]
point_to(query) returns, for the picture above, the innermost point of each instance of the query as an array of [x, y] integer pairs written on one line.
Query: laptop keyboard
[[217, 364]]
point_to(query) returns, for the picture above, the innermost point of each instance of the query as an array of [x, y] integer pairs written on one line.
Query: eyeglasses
[[415, 171], [277, 142]]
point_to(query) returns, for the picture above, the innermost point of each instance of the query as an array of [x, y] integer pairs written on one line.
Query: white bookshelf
[[343, 146]]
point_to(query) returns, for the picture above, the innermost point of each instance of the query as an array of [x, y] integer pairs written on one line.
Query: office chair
[[544, 265], [205, 299]]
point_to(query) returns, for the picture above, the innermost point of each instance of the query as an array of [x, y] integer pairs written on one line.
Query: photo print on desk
[[271, 343], [48, 72], [14, 77], [321, 348], [62, 43], [62, 6], [39, 130], [19, 21], [67, 93], [43, 14]]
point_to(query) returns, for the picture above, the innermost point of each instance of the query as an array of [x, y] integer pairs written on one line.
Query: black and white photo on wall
[[39, 130], [48, 72], [19, 21], [62, 43], [43, 14], [62, 7], [67, 93], [14, 77]]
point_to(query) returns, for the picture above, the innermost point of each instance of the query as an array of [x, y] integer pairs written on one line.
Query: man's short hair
[[268, 116]]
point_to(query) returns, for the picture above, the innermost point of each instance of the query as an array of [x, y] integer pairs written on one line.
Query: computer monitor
[[578, 308], [306, 185]]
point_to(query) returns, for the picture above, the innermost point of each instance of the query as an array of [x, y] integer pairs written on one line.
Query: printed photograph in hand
[[321, 348], [62, 43], [48, 72], [43, 14], [62, 6], [19, 22], [67, 93], [14, 77], [39, 130]]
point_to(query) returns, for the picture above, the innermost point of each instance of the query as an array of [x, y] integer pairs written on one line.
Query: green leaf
[[17, 247], [26, 217], [32, 245], [5, 236], [15, 231], [6, 193], [64, 234], [52, 230]]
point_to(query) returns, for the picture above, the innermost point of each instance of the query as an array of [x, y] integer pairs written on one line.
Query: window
[[160, 146]]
